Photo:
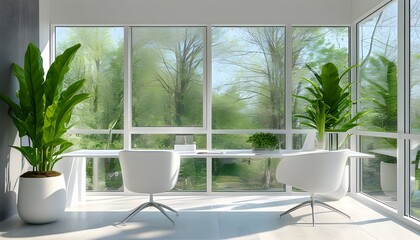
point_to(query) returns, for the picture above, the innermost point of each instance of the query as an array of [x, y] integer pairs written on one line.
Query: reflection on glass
[[415, 66], [299, 141], [378, 69], [316, 46], [248, 77], [103, 174], [167, 76], [245, 174], [162, 141], [100, 60], [379, 174], [95, 141], [415, 179], [414, 108], [192, 175], [239, 141]]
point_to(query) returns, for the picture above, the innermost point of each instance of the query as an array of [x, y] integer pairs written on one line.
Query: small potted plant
[[42, 114], [263, 141]]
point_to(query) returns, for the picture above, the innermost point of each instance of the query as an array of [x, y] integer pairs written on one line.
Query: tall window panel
[[315, 46], [377, 59], [243, 174], [414, 194], [167, 76], [100, 61], [248, 78], [379, 174], [377, 78]]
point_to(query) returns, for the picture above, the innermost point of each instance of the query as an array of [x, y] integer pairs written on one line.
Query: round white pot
[[41, 200], [388, 176]]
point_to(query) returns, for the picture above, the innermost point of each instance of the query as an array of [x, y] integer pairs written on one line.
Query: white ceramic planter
[[41, 200], [388, 176]]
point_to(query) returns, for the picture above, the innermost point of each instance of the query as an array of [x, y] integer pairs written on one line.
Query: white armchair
[[315, 172], [149, 171]]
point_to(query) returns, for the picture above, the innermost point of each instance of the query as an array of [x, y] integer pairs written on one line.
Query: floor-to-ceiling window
[[314, 47], [378, 82], [172, 91], [98, 122], [413, 160], [220, 84], [248, 92], [167, 93]]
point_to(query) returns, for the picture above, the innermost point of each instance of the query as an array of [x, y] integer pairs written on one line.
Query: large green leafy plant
[[44, 107], [329, 104]]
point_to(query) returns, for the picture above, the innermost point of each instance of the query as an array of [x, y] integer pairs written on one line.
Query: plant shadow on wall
[[329, 104], [42, 114]]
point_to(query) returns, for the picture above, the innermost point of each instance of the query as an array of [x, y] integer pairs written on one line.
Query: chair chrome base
[[312, 201], [151, 203]]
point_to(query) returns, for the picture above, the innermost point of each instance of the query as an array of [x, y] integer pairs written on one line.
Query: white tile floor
[[213, 217]]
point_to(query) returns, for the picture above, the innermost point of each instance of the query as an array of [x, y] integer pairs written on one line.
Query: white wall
[[360, 8], [300, 12]]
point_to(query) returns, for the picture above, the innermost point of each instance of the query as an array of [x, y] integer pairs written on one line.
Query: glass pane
[[378, 69], [103, 174], [316, 46], [100, 60], [298, 141], [415, 66], [162, 141], [239, 141], [95, 141], [245, 174], [192, 174], [167, 76], [414, 194], [379, 174], [248, 78], [415, 179]]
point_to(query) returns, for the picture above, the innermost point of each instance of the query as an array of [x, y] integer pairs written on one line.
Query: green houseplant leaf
[[329, 104], [262, 140], [44, 108]]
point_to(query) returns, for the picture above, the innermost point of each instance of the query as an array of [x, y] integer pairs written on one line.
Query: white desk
[[73, 165], [392, 152], [240, 153]]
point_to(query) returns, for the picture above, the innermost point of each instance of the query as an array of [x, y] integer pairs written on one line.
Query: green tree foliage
[[168, 76], [256, 55], [100, 62]]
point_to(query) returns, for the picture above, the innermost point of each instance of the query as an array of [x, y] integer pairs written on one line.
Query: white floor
[[213, 217]]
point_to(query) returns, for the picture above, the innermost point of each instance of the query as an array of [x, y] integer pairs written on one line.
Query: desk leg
[[82, 178], [74, 171]]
